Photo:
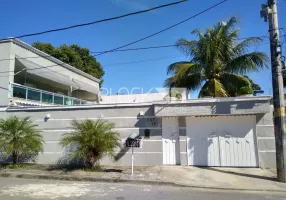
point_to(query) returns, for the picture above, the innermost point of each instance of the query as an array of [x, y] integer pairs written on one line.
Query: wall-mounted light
[[141, 113]]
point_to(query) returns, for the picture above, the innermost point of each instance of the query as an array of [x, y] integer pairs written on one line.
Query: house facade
[[227, 132], [221, 132], [30, 77]]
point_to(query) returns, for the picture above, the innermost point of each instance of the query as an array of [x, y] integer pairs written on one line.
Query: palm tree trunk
[[15, 157], [214, 92]]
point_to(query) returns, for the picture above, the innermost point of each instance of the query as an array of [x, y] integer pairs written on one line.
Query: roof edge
[[49, 57], [215, 100]]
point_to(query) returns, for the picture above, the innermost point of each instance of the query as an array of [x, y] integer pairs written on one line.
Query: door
[[221, 141], [170, 140], [202, 141], [237, 142]]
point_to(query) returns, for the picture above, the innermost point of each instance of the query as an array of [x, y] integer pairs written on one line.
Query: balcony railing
[[41, 96]]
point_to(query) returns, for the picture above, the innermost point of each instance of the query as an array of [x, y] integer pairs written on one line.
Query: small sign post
[[133, 141], [132, 161]]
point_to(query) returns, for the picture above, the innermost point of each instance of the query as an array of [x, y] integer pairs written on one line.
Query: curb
[[126, 181]]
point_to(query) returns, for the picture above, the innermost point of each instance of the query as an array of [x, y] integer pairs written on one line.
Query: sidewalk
[[249, 179]]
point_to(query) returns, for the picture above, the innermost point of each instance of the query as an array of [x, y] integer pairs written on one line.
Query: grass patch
[[96, 168], [14, 166]]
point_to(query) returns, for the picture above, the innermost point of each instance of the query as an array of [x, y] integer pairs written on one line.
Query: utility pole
[[269, 12]]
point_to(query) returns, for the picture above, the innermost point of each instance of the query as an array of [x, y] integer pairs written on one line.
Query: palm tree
[[93, 140], [217, 62], [20, 137]]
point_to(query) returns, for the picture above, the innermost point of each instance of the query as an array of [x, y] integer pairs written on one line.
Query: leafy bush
[[20, 137], [14, 166], [92, 140], [245, 90]]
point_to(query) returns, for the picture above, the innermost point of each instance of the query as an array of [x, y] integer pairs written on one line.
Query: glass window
[[19, 92], [47, 98], [67, 101], [34, 95], [76, 102], [84, 102], [58, 100]]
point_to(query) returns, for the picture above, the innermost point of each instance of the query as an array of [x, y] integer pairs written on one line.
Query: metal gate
[[170, 140], [221, 141]]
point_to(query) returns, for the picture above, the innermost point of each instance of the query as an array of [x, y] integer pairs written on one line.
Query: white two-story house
[[30, 77]]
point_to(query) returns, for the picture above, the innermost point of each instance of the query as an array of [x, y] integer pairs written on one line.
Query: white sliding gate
[[221, 141]]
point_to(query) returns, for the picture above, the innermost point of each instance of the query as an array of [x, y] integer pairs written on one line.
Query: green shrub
[[92, 140]]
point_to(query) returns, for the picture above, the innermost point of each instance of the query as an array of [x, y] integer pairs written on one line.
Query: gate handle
[[212, 134], [226, 134]]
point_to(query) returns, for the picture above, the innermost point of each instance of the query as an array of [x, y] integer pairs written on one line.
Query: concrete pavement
[[252, 179], [22, 189]]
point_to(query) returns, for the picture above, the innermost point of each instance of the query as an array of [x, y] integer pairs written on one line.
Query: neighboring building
[[161, 94], [32, 77], [134, 98], [227, 132]]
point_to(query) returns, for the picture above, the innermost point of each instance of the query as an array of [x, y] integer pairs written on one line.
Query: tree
[[93, 140], [254, 86], [217, 62], [20, 137], [73, 55]]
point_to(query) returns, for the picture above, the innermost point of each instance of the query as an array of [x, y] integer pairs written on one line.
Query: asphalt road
[[23, 189]]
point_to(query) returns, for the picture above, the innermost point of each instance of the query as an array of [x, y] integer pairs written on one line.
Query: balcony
[[41, 97]]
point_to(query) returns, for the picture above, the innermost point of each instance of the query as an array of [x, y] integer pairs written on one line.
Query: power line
[[158, 47], [143, 61], [108, 65], [121, 50], [149, 36], [115, 64], [99, 21], [140, 48]]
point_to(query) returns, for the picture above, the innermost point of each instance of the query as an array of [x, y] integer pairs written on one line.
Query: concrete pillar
[[7, 66]]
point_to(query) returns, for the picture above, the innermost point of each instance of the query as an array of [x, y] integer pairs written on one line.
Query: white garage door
[[221, 141]]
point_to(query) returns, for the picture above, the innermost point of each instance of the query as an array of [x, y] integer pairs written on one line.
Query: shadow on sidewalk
[[240, 174]]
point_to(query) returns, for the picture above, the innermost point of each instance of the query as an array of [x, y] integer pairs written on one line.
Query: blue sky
[[33, 15]]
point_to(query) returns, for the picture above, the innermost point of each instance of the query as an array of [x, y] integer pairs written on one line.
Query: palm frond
[[250, 62], [243, 46], [179, 65], [219, 89], [189, 48], [20, 136], [198, 33], [206, 90], [185, 74], [233, 83], [213, 88], [191, 82], [92, 139]]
